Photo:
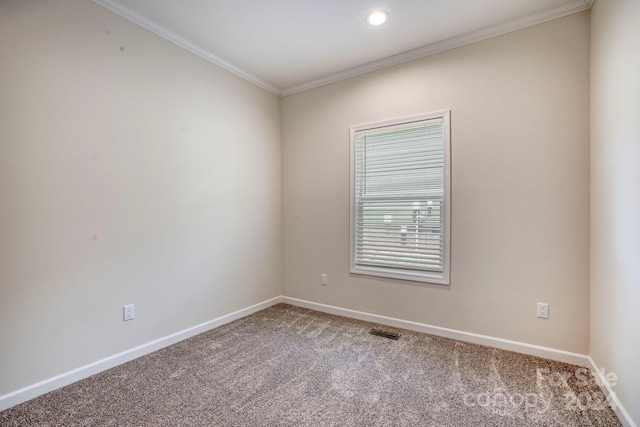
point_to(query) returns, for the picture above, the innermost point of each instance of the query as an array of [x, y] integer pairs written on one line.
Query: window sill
[[392, 273]]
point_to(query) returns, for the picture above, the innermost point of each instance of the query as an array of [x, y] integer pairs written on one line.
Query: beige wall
[[520, 174], [615, 195], [131, 171]]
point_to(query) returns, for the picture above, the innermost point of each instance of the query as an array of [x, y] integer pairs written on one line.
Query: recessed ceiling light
[[377, 17]]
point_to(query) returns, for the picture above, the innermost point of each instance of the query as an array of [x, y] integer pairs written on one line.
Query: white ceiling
[[286, 46]]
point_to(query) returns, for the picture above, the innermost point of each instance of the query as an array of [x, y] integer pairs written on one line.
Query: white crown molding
[[569, 8], [147, 23], [136, 17]]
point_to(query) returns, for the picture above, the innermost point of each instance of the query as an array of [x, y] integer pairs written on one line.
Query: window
[[400, 198]]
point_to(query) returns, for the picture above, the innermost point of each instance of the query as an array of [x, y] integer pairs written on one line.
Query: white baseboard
[[42, 387], [612, 398], [27, 393], [519, 347]]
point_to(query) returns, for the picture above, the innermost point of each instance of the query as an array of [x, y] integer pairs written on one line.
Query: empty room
[[319, 213]]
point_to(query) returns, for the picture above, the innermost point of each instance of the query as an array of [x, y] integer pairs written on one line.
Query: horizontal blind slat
[[399, 188]]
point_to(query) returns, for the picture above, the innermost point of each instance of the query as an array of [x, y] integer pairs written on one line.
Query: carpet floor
[[288, 366]]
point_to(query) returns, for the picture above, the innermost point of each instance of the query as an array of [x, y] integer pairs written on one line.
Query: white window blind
[[400, 199]]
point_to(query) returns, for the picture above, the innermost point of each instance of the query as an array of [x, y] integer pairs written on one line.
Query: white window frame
[[442, 278]]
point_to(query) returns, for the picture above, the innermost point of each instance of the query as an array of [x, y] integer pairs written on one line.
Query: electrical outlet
[[543, 310], [323, 279], [127, 312]]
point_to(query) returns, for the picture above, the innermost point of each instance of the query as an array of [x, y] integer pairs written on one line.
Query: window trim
[[442, 278]]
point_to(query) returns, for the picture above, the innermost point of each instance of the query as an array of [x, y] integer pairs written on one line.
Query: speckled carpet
[[288, 366]]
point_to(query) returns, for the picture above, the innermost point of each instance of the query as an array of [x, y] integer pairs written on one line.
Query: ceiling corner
[[170, 35]]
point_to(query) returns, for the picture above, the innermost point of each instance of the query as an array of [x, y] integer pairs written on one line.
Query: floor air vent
[[384, 334]]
